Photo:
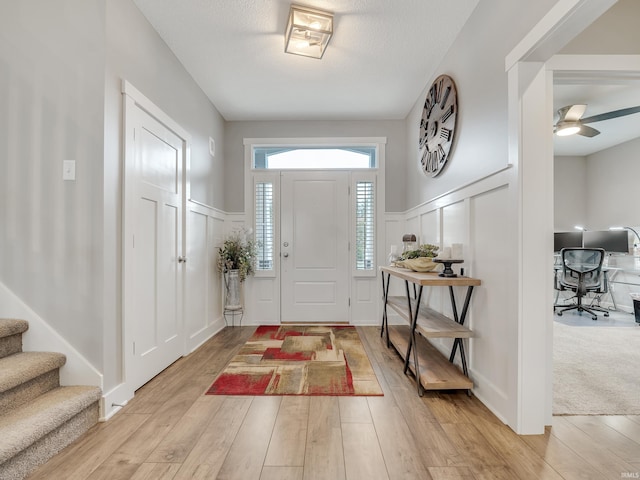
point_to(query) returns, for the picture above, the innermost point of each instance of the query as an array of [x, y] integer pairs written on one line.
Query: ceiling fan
[[571, 121]]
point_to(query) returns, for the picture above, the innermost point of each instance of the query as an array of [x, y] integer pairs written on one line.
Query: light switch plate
[[68, 169], [212, 147]]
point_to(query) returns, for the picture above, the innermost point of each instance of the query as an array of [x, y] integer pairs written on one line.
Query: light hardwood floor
[[171, 431]]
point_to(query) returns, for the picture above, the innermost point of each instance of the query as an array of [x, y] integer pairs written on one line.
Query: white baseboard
[[113, 401], [198, 339]]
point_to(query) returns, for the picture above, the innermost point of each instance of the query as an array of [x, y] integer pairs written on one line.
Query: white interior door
[[314, 246], [153, 245]]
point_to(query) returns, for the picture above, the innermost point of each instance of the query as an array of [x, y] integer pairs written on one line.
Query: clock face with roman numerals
[[438, 125]]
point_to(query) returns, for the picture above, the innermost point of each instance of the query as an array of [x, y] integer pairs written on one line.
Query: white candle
[[456, 251], [446, 253]]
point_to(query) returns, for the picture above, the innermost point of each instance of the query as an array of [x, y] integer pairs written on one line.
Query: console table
[[431, 369]]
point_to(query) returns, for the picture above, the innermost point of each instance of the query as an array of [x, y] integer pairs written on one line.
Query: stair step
[[11, 326], [26, 375], [24, 366], [11, 331], [23, 445]]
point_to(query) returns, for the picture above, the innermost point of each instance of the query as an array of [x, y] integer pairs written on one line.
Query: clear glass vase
[[232, 300]]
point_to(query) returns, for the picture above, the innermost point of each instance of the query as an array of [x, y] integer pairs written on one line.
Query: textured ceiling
[[381, 56]]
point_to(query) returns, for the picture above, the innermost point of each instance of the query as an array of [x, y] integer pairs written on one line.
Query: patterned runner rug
[[299, 360]]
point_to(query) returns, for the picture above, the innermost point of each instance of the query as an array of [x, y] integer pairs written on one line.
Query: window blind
[[365, 225], [264, 225]]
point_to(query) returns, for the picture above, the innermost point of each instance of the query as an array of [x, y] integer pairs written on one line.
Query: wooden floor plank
[[324, 457], [451, 473], [354, 410], [247, 453], [172, 431], [136, 450], [603, 460], [156, 471], [614, 441], [624, 425], [472, 445], [210, 451], [177, 444], [560, 456], [289, 439], [282, 473], [362, 455], [84, 456], [399, 448], [516, 453]]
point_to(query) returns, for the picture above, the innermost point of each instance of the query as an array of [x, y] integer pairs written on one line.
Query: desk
[[436, 373]]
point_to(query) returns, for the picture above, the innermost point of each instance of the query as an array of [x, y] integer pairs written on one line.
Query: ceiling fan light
[[567, 128], [308, 31]]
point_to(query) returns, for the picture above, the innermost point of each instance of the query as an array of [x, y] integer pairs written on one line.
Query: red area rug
[[299, 360]]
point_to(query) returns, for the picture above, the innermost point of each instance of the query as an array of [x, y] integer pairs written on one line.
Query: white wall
[[615, 32], [613, 183], [570, 193], [599, 190]]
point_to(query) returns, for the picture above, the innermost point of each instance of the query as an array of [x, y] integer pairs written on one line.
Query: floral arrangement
[[238, 252], [425, 250]]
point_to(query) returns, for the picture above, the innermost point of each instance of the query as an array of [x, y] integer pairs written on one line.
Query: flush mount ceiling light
[[564, 129], [308, 31]]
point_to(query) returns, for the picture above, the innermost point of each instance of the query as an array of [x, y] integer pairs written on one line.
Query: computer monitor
[[616, 241], [566, 240]]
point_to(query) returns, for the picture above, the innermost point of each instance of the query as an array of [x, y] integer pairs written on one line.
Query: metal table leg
[[385, 294], [412, 338], [458, 341]]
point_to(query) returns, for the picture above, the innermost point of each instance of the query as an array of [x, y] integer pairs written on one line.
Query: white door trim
[[133, 99], [530, 116], [269, 284]]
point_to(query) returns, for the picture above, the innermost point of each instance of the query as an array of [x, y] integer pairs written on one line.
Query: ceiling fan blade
[[587, 131], [609, 115], [571, 113]]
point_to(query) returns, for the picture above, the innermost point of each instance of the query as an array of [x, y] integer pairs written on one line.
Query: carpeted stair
[[38, 417]]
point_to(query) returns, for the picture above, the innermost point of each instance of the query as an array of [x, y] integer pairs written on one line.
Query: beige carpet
[[596, 370]]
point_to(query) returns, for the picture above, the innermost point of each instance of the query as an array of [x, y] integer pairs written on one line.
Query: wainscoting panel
[[203, 290], [261, 301], [472, 215], [430, 227], [490, 352], [365, 295]]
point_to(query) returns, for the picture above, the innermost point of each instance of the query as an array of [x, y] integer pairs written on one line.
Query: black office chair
[[582, 273]]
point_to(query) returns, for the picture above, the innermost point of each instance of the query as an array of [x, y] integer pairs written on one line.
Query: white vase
[[232, 299]]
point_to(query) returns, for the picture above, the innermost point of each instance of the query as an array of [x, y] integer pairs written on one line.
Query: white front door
[[153, 245], [314, 246]]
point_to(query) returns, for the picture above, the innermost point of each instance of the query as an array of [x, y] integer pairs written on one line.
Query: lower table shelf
[[436, 372]]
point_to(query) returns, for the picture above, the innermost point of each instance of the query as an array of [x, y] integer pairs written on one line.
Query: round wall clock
[[438, 125]]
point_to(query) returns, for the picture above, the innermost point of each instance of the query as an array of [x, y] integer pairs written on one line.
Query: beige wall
[[61, 67], [570, 193], [51, 109], [395, 151]]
